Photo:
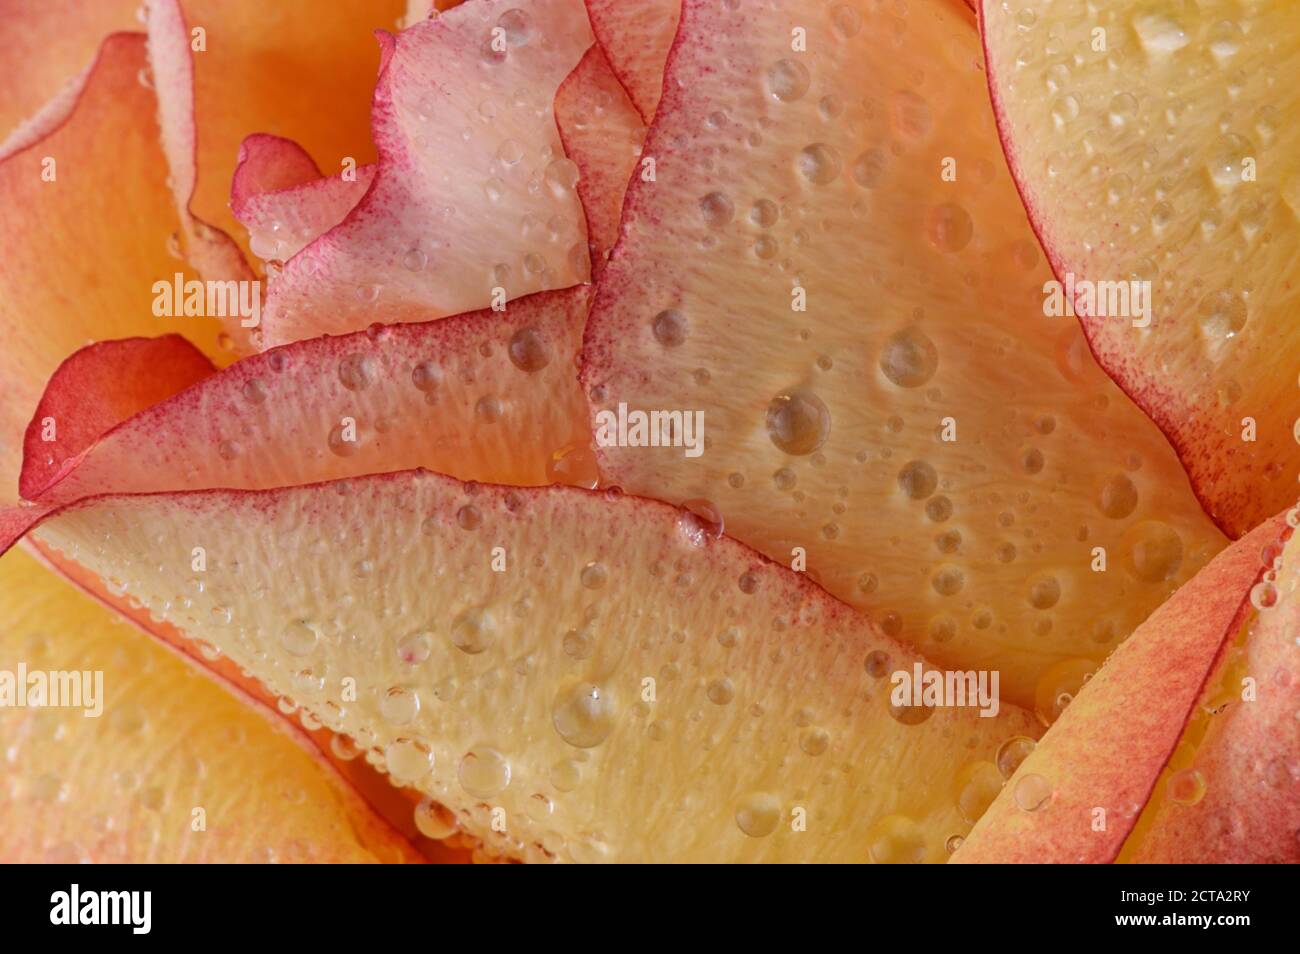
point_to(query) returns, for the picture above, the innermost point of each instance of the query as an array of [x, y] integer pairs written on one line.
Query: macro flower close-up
[[650, 431]]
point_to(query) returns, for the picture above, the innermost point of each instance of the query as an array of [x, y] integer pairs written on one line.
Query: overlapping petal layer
[[1155, 143], [832, 268]]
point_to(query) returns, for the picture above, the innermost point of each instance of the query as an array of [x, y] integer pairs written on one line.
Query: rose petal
[[1077, 796], [636, 37], [97, 388], [282, 204], [484, 396], [169, 751], [881, 393], [291, 68], [472, 191], [1195, 193], [299, 606], [48, 49], [602, 134], [82, 251], [1248, 760]]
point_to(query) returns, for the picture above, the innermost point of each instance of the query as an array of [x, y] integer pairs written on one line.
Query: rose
[[268, 511]]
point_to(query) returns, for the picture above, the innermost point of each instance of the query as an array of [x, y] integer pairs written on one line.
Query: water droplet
[[434, 821], [764, 213], [583, 714], [594, 576], [948, 580], [815, 741], [909, 358], [910, 115], [909, 714], [669, 328], [414, 648], [788, 80], [949, 227], [1012, 752], [408, 760], [1153, 551], [877, 663], [1044, 593], [1033, 793], [565, 775], [758, 814], [818, 163], [1159, 33], [896, 840], [399, 706], [847, 20], [471, 631], [1186, 787], [528, 350], [918, 479], [716, 210], [299, 638], [517, 26], [562, 175], [720, 691], [1117, 497], [356, 372], [484, 772], [1222, 315], [799, 422], [1263, 595], [343, 440], [426, 376], [980, 784], [869, 168]]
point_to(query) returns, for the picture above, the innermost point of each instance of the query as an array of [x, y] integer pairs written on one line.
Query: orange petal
[[280, 196], [484, 396], [47, 49], [1234, 800], [97, 388], [602, 134], [831, 266], [470, 702], [174, 768], [83, 250], [1078, 795], [1182, 188], [472, 192], [294, 69], [636, 37]]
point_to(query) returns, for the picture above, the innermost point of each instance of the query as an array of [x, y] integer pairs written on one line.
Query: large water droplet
[[583, 714], [788, 80], [484, 772], [909, 358], [758, 814]]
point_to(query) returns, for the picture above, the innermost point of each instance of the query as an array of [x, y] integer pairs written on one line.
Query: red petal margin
[[280, 196], [468, 195], [97, 388], [85, 238], [208, 249], [636, 38], [1101, 759], [47, 48]]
